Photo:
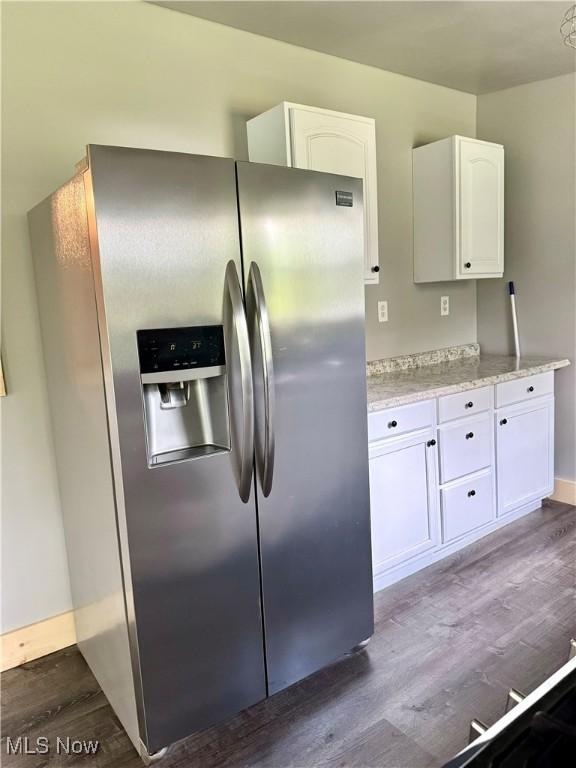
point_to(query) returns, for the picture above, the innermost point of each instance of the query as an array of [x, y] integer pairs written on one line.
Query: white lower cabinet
[[436, 488], [524, 453], [403, 498]]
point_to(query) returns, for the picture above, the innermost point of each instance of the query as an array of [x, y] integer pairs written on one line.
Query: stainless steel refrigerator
[[203, 332]]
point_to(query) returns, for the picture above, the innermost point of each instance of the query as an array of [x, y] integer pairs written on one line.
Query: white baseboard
[[36, 640], [565, 491]]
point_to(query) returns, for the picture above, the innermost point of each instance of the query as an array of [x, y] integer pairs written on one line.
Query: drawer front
[[396, 421], [465, 447], [464, 403], [526, 388], [467, 506]]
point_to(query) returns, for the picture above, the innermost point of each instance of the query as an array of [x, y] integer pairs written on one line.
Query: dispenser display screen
[[174, 349]]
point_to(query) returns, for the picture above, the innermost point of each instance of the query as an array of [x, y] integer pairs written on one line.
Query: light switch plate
[[382, 311]]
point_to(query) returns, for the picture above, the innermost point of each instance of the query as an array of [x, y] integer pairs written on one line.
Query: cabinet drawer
[[464, 403], [396, 421], [467, 506], [524, 389], [465, 447]]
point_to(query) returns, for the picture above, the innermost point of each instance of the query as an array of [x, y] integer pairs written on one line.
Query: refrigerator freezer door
[[165, 227], [315, 523]]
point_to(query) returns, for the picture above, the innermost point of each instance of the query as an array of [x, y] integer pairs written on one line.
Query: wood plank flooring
[[448, 644]]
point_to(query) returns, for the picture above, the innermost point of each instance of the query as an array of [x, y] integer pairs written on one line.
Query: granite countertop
[[399, 387]]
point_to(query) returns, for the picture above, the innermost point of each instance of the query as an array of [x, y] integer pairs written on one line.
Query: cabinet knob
[[503, 421], [376, 268], [472, 493], [469, 435], [468, 264], [392, 424], [530, 389], [469, 404], [431, 443]]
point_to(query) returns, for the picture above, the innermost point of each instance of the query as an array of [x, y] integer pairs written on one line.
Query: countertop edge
[[450, 389]]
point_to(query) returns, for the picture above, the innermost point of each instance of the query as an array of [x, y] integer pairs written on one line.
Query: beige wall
[[135, 74], [536, 124]]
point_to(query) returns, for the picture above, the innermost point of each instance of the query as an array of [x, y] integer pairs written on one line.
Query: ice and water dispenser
[[183, 374]]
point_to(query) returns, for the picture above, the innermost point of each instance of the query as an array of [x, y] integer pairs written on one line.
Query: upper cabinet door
[[458, 186], [342, 144], [481, 205]]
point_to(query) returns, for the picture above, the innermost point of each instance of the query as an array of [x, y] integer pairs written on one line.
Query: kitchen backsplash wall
[[421, 359]]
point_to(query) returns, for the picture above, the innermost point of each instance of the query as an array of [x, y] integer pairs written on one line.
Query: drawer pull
[[530, 389], [392, 424], [431, 443], [469, 404], [468, 264], [472, 493], [469, 435], [503, 421]]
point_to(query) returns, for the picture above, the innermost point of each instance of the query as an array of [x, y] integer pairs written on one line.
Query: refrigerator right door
[[302, 243]]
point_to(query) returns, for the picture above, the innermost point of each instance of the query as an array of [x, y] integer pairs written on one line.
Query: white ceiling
[[471, 46]]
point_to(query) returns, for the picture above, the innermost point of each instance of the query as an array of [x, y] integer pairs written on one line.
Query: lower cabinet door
[[524, 453], [467, 505], [403, 498]]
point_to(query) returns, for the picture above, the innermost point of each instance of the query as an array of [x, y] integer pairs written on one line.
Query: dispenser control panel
[[177, 349]]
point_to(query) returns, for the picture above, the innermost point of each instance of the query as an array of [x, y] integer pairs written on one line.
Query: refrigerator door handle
[[235, 326], [260, 333]]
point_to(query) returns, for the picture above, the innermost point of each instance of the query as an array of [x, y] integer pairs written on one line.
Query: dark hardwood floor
[[448, 644]]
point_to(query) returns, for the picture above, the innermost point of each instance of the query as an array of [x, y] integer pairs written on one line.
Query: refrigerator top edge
[[337, 177], [93, 150], [85, 163]]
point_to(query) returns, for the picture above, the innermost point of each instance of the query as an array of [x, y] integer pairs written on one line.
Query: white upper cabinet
[[458, 210], [323, 140]]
